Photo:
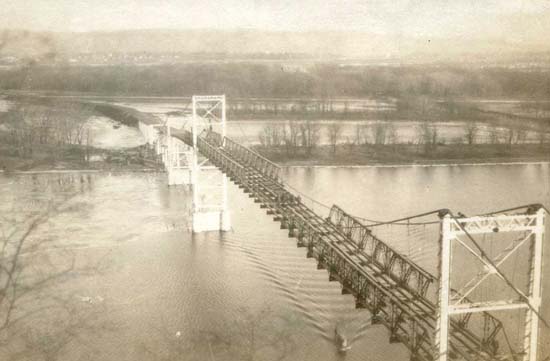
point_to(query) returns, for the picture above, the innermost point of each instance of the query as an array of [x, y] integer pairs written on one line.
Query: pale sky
[[437, 18]]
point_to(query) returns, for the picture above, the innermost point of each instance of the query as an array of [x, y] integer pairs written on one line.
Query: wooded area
[[52, 127], [275, 80]]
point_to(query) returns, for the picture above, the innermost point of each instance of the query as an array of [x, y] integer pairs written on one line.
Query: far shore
[[464, 162], [312, 163], [345, 155]]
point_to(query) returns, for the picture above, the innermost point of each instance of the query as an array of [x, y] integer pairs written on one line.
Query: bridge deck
[[387, 291]]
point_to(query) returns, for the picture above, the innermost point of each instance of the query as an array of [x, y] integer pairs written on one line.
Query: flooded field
[[406, 131], [526, 108], [5, 105], [108, 134]]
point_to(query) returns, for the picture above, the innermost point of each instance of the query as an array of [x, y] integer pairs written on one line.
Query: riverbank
[[42, 135], [139, 159], [405, 154], [78, 158]]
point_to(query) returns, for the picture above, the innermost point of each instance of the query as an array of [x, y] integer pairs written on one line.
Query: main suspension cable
[[500, 274]]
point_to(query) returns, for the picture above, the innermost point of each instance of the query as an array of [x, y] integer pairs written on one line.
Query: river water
[[142, 287]]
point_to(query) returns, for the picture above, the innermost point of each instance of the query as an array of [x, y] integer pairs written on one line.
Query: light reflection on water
[[167, 293]]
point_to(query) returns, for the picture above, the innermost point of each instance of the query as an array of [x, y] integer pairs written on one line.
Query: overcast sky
[[506, 18]]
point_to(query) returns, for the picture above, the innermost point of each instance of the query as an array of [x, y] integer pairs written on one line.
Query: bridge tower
[[177, 159], [495, 243], [210, 211], [173, 153]]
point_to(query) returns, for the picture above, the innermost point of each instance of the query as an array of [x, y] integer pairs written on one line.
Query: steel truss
[[386, 283], [453, 232], [404, 271]]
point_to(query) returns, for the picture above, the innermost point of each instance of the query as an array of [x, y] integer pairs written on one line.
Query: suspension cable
[[514, 209], [501, 275], [375, 222]]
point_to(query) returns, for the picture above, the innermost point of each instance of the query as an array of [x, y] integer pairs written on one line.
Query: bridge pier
[[360, 303], [211, 221], [210, 211], [179, 177], [172, 152]]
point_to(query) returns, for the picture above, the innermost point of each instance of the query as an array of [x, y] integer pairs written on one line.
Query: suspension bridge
[[435, 315]]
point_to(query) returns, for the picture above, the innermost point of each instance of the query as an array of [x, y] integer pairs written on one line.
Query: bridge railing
[[214, 138], [253, 159], [232, 168], [244, 154], [211, 151], [187, 138], [396, 265]]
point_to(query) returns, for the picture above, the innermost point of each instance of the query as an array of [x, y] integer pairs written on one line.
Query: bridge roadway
[[393, 288]]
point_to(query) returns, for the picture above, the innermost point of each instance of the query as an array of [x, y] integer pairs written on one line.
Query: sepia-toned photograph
[[261, 180]]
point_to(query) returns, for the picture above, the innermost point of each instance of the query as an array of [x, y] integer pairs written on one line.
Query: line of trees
[[31, 126], [291, 135], [326, 81], [295, 135]]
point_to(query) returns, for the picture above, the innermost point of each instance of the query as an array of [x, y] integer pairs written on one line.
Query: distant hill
[[317, 45]]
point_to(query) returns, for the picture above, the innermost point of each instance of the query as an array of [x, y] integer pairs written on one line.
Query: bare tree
[[27, 272], [70, 324], [358, 134], [334, 131], [22, 131], [362, 132], [379, 133], [538, 107], [290, 136], [542, 134], [279, 134], [434, 136], [16, 242], [521, 136], [494, 135], [89, 140], [391, 134], [427, 134], [272, 135], [265, 136], [510, 136], [516, 136], [57, 125], [293, 134], [309, 133], [470, 132]]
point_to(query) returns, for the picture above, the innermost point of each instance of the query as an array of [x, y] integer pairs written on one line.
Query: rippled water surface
[[159, 293]]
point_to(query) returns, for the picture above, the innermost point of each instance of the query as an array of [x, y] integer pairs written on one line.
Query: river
[[142, 287]]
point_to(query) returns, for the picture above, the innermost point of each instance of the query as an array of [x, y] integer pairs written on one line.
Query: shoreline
[[291, 166], [419, 165], [432, 163], [76, 171]]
